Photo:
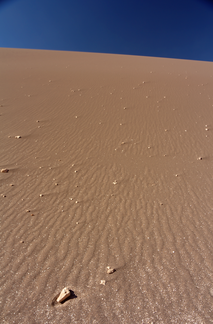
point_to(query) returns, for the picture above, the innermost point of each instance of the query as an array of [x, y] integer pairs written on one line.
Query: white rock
[[103, 282], [17, 136], [4, 170], [110, 270], [65, 293]]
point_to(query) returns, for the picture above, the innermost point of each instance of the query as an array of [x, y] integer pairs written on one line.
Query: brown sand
[[119, 187]]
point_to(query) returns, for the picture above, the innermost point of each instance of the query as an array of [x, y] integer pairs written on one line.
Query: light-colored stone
[[110, 270], [18, 136], [103, 282], [65, 293], [4, 170]]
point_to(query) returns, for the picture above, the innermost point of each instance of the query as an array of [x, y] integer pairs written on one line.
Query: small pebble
[[115, 182], [77, 223], [17, 136], [4, 170], [4, 196], [41, 195], [11, 185], [110, 270], [211, 291], [21, 241], [27, 210], [32, 214], [103, 282], [199, 158]]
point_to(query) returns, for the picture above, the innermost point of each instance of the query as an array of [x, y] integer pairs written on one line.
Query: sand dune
[[114, 167]]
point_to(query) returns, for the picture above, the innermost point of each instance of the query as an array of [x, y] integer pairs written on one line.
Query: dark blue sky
[[161, 28]]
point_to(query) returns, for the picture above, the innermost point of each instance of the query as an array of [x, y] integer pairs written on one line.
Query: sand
[[113, 167]]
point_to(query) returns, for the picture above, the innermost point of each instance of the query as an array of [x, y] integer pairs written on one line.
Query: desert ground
[[109, 163]]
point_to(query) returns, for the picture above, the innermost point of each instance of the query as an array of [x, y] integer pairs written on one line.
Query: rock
[[110, 270], [211, 291], [64, 294], [103, 282], [17, 136], [4, 170]]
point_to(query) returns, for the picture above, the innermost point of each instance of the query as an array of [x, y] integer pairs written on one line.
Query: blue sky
[[162, 28]]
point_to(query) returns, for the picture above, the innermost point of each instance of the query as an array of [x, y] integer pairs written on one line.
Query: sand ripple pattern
[[95, 184]]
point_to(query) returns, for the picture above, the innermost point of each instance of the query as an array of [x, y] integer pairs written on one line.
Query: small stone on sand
[[4, 170], [103, 282], [110, 270], [17, 136], [211, 291], [65, 293]]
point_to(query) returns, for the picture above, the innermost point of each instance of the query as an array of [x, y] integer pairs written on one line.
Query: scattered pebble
[[11, 185], [27, 210], [103, 282], [161, 204], [110, 270], [115, 182], [37, 121], [32, 214], [77, 223], [199, 158], [41, 195], [64, 294], [17, 136], [176, 175], [4, 170], [4, 196], [56, 184], [21, 241], [211, 291]]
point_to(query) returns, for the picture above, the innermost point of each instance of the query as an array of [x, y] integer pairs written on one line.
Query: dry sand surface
[[114, 167]]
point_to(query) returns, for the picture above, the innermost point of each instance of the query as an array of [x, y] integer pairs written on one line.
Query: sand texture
[[113, 166]]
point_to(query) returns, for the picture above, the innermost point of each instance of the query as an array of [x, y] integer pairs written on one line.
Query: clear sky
[[162, 28]]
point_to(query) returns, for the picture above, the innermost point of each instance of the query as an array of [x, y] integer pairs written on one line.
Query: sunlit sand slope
[[114, 167]]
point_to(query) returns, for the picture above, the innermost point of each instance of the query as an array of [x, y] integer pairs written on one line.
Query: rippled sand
[[114, 167]]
